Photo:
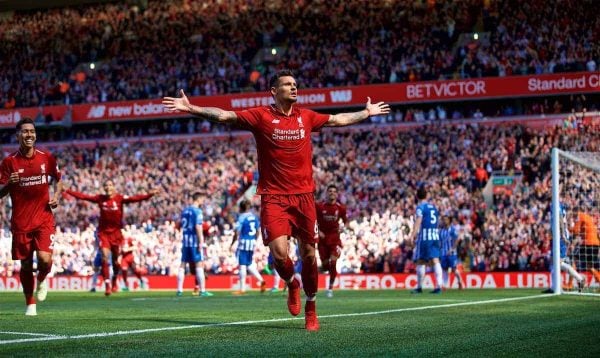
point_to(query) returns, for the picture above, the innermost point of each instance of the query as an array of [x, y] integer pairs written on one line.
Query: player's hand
[[14, 177], [377, 108], [53, 203], [177, 104], [153, 191]]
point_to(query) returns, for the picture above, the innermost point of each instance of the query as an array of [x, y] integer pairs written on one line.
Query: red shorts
[[127, 260], [110, 239], [326, 250], [289, 215], [24, 244]]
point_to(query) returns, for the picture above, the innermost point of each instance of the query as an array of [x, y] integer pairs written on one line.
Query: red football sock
[[43, 271], [105, 271], [28, 283], [332, 272], [286, 271], [310, 275], [124, 272]]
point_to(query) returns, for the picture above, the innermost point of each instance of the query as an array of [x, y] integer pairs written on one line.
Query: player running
[[283, 140], [26, 175], [329, 215], [110, 225]]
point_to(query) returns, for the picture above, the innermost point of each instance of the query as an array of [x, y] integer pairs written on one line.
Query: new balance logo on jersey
[[96, 112], [276, 121]]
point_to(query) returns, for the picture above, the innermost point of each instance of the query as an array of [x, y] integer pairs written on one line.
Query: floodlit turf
[[353, 323]]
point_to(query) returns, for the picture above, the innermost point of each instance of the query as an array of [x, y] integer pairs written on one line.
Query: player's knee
[[44, 264], [309, 258], [279, 261], [26, 265]]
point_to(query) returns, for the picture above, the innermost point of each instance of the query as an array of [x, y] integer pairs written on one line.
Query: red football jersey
[[284, 147], [111, 208], [30, 196], [128, 245], [328, 217]]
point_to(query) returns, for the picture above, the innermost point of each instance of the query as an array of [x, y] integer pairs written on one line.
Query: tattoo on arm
[[345, 119], [213, 114]]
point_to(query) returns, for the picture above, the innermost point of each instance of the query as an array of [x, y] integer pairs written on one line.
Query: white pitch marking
[[29, 334], [240, 323]]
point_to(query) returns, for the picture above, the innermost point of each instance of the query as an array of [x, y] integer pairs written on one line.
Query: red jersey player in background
[[329, 214], [128, 260], [283, 143], [110, 225], [25, 175]]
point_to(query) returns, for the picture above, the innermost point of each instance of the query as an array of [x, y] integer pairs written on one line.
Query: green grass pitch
[[471, 323]]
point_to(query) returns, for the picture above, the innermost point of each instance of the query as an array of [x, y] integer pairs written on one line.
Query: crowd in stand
[[215, 47], [377, 171]]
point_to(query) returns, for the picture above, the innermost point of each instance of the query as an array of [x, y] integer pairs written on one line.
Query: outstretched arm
[[82, 196], [213, 114], [140, 197], [346, 119]]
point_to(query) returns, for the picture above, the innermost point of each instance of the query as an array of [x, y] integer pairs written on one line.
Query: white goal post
[[575, 197]]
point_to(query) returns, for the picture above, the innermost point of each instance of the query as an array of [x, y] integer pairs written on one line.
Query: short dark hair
[[421, 192], [25, 120], [244, 205], [282, 73], [332, 186], [197, 195]]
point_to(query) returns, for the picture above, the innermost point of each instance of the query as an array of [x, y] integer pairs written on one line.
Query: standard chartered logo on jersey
[[288, 134], [33, 180]]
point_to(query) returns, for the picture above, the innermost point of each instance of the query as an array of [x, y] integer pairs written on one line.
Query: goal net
[[575, 222]]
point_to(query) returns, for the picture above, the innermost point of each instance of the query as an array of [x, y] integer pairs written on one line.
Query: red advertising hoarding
[[412, 92], [394, 93], [491, 280], [10, 117]]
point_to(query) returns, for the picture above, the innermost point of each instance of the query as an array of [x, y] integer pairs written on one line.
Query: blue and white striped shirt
[[247, 226], [429, 222], [190, 217], [448, 236]]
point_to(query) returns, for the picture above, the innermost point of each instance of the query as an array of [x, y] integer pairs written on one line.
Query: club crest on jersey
[[43, 168], [300, 124]]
